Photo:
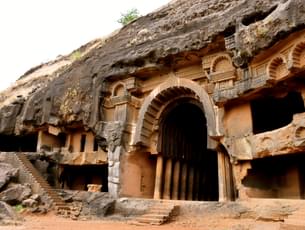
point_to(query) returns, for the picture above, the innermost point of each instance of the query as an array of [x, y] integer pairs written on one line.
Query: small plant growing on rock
[[19, 208], [76, 55], [129, 16]]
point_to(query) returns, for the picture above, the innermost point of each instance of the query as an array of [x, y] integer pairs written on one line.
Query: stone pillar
[[158, 178], [221, 177], [196, 183], [183, 181], [190, 183], [68, 141], [39, 141], [113, 131], [176, 181], [168, 179], [114, 171], [230, 190]]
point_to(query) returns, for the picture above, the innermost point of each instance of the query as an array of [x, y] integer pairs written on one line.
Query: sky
[[36, 31]]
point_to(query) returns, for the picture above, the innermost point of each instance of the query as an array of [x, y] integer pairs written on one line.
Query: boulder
[[94, 204], [97, 204], [29, 203], [7, 212], [38, 209], [7, 172], [102, 207], [16, 194], [35, 197]]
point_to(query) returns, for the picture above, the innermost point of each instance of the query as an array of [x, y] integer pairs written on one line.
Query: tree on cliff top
[[129, 16]]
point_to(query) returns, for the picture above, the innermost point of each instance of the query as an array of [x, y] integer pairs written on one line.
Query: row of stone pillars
[[179, 181], [175, 180]]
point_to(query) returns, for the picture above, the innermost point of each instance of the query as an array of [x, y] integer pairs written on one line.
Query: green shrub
[[19, 208], [129, 16]]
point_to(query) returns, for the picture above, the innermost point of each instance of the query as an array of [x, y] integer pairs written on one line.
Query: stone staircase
[[158, 214], [60, 206], [296, 221]]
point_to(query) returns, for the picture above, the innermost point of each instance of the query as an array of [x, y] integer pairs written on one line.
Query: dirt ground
[[52, 222], [254, 214]]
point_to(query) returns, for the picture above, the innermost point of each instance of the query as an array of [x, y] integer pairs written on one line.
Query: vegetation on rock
[[129, 16]]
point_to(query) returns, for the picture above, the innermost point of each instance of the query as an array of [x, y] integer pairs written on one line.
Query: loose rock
[[7, 172], [7, 212], [16, 194]]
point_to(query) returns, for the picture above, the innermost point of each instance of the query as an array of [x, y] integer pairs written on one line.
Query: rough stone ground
[[254, 214], [51, 222]]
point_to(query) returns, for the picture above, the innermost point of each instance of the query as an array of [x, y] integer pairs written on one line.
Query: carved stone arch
[[169, 90], [298, 55], [221, 63], [167, 106], [277, 68], [118, 89]]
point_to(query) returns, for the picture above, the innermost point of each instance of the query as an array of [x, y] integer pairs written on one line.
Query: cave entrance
[[78, 177], [270, 113], [11, 143], [186, 169], [276, 177]]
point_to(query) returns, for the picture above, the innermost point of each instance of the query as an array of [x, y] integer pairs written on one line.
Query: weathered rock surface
[[7, 212], [16, 193], [94, 204], [14, 98], [32, 201], [7, 172], [154, 42]]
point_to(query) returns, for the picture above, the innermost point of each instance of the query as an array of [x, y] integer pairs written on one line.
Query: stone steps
[[156, 215], [59, 205], [151, 221]]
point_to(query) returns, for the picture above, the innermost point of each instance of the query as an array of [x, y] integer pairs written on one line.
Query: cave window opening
[[229, 31], [78, 177], [82, 142], [270, 113], [62, 139], [26, 143], [257, 16], [95, 145], [284, 180]]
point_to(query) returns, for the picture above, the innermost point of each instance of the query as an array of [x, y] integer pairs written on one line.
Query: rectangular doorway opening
[[276, 177]]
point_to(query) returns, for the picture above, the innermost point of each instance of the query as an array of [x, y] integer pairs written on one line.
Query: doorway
[[186, 169]]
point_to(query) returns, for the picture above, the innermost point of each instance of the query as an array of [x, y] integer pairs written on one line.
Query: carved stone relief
[[298, 55], [220, 71], [119, 90], [277, 68]]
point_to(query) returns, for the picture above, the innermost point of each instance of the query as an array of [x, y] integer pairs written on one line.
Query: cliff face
[[29, 90], [74, 92]]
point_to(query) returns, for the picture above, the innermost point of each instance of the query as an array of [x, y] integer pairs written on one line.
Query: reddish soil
[[51, 222]]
